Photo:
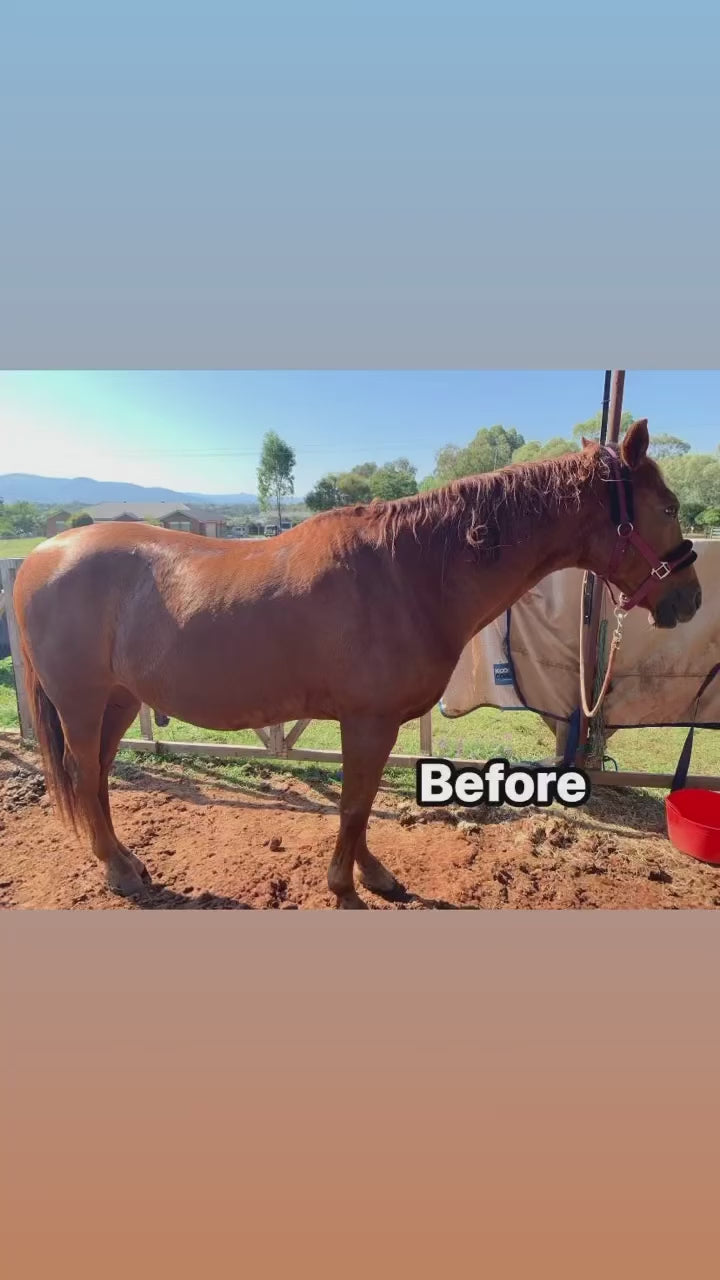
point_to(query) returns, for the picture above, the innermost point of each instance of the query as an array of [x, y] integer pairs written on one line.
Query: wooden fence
[[277, 743]]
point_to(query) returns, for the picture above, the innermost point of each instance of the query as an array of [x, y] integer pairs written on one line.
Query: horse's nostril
[[698, 598]]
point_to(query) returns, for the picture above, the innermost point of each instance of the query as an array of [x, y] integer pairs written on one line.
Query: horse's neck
[[476, 589]]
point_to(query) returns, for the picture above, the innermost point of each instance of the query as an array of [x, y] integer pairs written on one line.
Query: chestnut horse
[[357, 615]]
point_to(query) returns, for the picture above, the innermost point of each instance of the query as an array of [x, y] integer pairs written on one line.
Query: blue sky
[[202, 431]]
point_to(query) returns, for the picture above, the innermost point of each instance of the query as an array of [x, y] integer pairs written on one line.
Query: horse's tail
[[52, 743]]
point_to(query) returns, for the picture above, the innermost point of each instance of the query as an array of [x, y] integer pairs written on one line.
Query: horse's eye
[[671, 511]]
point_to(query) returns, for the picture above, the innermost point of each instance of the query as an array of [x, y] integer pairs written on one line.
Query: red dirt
[[218, 845]]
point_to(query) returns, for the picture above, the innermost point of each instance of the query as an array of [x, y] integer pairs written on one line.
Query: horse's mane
[[486, 511]]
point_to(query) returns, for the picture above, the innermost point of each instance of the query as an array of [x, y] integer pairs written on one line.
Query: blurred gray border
[[478, 191], [136, 330]]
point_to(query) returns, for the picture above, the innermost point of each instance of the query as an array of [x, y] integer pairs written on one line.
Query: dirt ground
[[213, 845]]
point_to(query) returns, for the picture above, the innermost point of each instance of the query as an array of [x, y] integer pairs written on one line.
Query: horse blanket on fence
[[530, 657]]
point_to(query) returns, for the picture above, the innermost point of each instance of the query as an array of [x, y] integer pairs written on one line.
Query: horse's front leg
[[366, 745]]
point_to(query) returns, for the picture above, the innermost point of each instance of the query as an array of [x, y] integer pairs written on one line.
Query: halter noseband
[[622, 510]]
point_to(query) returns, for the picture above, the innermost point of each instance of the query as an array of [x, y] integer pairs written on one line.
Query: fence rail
[[274, 742]]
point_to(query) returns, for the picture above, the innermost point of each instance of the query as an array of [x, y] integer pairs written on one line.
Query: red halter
[[622, 508]]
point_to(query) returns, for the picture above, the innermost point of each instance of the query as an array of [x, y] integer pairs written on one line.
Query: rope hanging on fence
[[591, 712], [597, 728]]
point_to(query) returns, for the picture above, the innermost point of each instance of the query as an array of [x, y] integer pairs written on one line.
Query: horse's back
[[138, 585]]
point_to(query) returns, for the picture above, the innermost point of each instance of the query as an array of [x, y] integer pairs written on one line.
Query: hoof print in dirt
[[556, 833], [468, 828]]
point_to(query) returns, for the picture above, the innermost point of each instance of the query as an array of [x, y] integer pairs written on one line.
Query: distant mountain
[[224, 499], [50, 490]]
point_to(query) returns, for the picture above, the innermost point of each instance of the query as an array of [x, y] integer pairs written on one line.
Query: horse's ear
[[635, 444], [585, 443]]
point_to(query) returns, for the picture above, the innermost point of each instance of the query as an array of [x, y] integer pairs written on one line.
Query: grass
[[512, 735], [16, 548]]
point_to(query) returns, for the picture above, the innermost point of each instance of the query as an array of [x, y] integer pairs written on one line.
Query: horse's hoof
[[137, 865], [379, 880], [397, 893], [142, 871], [126, 882], [387, 886], [351, 902]]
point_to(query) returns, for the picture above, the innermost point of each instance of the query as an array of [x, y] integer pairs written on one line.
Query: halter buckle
[[621, 529], [663, 570]]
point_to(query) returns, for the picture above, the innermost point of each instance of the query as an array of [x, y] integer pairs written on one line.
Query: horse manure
[[278, 892], [503, 875], [23, 789], [660, 875]]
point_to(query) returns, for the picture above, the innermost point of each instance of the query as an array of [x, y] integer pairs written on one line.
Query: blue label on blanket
[[503, 673]]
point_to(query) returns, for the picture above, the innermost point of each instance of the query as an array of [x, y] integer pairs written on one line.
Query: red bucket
[[693, 815], [693, 823]]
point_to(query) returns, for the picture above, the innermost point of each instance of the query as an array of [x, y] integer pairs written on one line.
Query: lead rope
[[614, 646]]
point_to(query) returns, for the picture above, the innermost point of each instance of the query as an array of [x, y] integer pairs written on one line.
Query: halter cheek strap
[[622, 510]]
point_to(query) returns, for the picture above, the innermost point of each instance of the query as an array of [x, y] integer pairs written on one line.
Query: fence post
[[8, 573], [146, 727], [298, 728], [426, 734]]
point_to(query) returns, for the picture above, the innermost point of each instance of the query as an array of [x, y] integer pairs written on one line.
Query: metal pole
[[589, 596], [605, 406], [616, 403]]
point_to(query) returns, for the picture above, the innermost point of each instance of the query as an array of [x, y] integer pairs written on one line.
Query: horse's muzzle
[[679, 605]]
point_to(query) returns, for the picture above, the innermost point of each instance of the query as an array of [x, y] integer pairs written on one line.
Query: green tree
[[535, 451], [448, 467], [82, 518], [490, 448], [353, 488], [344, 490], [591, 428], [688, 515], [325, 495], [664, 446], [21, 520], [396, 479], [694, 477], [361, 484], [709, 519], [275, 472]]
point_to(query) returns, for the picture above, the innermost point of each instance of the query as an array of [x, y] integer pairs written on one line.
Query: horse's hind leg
[[82, 729], [366, 745], [121, 710]]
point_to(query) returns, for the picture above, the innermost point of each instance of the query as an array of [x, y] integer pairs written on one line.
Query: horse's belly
[[224, 699], [272, 666], [229, 717]]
